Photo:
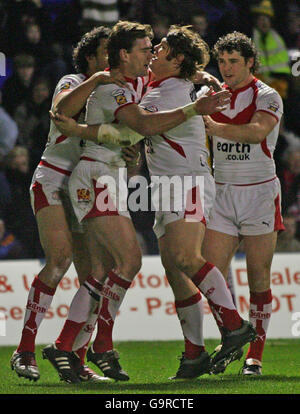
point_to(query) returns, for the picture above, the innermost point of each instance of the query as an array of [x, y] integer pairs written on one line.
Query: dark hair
[[239, 42], [87, 46], [184, 40], [123, 36]]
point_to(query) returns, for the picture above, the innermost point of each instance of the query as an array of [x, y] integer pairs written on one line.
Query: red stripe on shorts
[[110, 210], [278, 222], [40, 199]]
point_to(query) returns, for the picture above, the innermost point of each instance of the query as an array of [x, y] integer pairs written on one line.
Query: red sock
[[259, 315], [190, 314], [212, 284], [113, 292], [39, 300]]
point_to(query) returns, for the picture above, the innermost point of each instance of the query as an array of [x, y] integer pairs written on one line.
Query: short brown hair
[[184, 40], [123, 36], [239, 42], [87, 46]]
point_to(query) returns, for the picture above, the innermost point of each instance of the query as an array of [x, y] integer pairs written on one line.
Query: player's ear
[[180, 58], [250, 62], [124, 55], [90, 58]]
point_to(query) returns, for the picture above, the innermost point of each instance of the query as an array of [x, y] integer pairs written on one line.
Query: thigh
[[259, 254], [116, 233], [46, 188], [259, 208], [219, 248]]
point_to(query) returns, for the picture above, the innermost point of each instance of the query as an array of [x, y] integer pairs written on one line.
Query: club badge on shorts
[[83, 195]]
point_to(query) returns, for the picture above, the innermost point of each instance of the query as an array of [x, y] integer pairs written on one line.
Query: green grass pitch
[[149, 365]]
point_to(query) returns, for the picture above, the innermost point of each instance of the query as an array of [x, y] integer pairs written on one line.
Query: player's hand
[[210, 103], [205, 78], [67, 126], [211, 127], [114, 76], [131, 155]]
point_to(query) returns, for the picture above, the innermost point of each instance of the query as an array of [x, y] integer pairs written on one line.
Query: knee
[[130, 263], [59, 261], [187, 262]]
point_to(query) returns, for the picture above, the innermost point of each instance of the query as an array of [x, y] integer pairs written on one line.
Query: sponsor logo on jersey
[[65, 86], [237, 151], [151, 108], [119, 96], [83, 195], [273, 106]]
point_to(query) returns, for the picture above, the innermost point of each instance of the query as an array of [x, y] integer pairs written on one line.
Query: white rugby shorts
[[193, 203], [97, 189], [49, 187], [247, 210]]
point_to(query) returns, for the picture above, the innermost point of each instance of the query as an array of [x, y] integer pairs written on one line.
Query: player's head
[[237, 58], [129, 48], [90, 54], [182, 51]]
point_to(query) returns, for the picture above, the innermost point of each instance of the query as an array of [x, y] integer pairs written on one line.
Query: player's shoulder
[[71, 78], [109, 90], [265, 90], [169, 83]]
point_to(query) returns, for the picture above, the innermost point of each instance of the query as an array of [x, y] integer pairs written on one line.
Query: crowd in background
[[37, 38]]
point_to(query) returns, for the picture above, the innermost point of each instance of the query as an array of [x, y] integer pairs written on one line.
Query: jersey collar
[[156, 84]]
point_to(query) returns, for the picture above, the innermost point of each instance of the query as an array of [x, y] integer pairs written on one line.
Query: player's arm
[[71, 102], [155, 123], [260, 125], [205, 78], [139, 123]]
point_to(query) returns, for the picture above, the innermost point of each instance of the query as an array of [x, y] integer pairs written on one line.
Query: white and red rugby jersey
[[181, 150], [102, 107], [240, 163], [60, 151]]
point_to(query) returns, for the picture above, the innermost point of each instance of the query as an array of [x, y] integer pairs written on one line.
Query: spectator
[[287, 241], [290, 175], [97, 13], [20, 219], [18, 87], [32, 117], [10, 247], [8, 131], [18, 14], [274, 59], [160, 27]]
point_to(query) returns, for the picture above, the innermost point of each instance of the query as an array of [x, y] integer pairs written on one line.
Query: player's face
[[101, 56], [234, 69], [159, 63], [137, 60]]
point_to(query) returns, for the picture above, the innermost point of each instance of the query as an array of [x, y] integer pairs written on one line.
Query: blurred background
[[37, 38]]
